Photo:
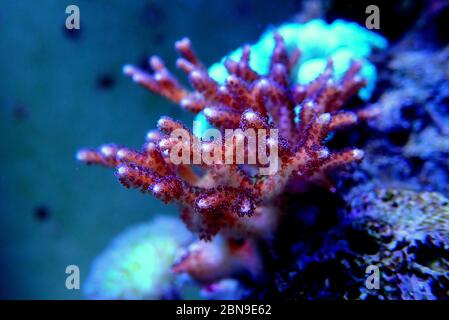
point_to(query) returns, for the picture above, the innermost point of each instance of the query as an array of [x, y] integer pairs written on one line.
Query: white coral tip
[[358, 154], [325, 118]]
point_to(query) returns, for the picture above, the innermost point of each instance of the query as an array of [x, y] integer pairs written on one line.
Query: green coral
[[341, 40], [318, 41], [136, 265]]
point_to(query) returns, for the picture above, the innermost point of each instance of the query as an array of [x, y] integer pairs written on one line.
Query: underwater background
[[63, 89]]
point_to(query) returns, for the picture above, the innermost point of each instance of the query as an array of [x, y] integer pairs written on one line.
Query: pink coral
[[221, 258], [229, 198]]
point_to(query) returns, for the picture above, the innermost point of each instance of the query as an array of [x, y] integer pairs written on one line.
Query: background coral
[[402, 232], [137, 263], [341, 41]]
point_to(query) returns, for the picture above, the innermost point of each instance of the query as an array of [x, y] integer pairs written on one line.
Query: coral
[[414, 216], [136, 265], [341, 41], [428, 141], [418, 88], [221, 258], [408, 143], [404, 233], [411, 230], [228, 197]]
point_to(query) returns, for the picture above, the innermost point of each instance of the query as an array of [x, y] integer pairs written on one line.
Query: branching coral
[[229, 197]]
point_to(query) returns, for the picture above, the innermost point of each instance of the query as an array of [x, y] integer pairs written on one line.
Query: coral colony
[[266, 133], [128, 269]]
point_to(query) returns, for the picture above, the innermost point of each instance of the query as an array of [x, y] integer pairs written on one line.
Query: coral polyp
[[228, 196]]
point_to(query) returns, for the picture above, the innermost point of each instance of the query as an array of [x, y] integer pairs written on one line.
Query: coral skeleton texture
[[231, 198]]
